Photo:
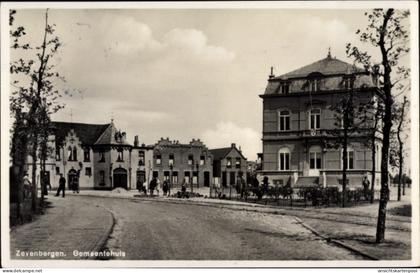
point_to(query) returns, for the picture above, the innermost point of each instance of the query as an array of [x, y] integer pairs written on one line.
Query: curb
[[336, 242], [101, 245]]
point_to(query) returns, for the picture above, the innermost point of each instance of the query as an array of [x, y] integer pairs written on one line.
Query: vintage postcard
[[210, 134]]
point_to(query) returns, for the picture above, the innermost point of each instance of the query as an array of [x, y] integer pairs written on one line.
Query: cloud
[[226, 133]]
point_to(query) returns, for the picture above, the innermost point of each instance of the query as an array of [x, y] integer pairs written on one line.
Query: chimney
[[136, 141], [271, 73], [233, 145]]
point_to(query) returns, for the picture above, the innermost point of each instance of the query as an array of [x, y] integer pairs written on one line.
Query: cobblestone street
[[148, 230]]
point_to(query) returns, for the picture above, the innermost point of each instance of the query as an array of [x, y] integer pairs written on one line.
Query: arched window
[[69, 154], [74, 154], [284, 120], [315, 118], [284, 159]]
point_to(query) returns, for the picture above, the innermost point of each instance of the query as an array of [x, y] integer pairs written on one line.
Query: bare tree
[[387, 32]]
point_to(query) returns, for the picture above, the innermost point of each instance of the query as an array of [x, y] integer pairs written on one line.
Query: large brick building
[[177, 162], [98, 155], [298, 123]]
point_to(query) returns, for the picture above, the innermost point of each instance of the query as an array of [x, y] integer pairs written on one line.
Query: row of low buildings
[[297, 138], [101, 158]]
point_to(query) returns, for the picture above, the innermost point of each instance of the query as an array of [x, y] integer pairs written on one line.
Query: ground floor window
[[315, 160], [57, 170], [284, 159], [88, 171], [350, 159]]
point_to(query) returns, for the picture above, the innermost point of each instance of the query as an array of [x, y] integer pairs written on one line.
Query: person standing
[[152, 186], [61, 185], [157, 185]]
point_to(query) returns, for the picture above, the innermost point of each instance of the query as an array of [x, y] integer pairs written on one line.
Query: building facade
[[298, 122], [229, 165], [178, 163], [97, 155]]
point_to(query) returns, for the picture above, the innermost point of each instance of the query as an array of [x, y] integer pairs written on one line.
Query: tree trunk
[[372, 186], [34, 184], [387, 125]]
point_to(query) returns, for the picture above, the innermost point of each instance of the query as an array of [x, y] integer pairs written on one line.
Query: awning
[[307, 181]]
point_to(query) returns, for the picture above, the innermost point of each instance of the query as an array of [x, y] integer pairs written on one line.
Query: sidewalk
[[62, 229]]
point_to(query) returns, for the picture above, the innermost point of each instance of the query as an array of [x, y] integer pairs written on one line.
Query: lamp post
[[198, 174], [171, 168], [192, 175]]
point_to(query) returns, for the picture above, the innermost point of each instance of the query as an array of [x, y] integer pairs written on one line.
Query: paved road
[[148, 230]]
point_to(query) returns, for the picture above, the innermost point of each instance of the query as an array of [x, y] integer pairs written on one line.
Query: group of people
[[155, 185]]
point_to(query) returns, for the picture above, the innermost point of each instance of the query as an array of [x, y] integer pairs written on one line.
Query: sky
[[185, 74]]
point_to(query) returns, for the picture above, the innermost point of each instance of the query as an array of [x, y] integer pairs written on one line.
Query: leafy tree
[[397, 145], [34, 98], [386, 31]]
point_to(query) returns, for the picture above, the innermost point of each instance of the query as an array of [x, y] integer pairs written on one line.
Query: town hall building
[[298, 121]]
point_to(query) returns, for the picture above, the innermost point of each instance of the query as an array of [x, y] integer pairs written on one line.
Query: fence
[[294, 197]]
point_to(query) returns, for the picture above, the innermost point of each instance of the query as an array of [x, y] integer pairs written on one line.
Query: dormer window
[[348, 83], [314, 85], [86, 155], [158, 159], [101, 156], [284, 87]]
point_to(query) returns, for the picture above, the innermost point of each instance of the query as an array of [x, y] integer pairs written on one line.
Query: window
[[88, 171], [69, 154], [315, 118], [155, 174], [120, 156], [228, 162], [315, 160], [314, 85], [284, 120], [86, 155], [175, 178], [101, 178], [238, 163], [166, 176], [202, 160], [158, 159], [57, 170], [284, 88], [190, 159], [350, 159], [74, 154], [171, 160], [284, 159], [101, 156], [348, 83], [57, 154], [141, 158]]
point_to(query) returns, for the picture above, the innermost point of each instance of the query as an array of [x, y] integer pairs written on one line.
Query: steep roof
[[327, 66], [220, 153], [87, 133], [108, 137]]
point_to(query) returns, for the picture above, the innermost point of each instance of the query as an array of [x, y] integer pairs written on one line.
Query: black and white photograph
[[210, 134]]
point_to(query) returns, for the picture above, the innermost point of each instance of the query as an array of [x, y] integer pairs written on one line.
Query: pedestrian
[[152, 186], [27, 186], [45, 182], [265, 184], [61, 185], [184, 189], [157, 186], [366, 184], [217, 188], [144, 187], [169, 188], [165, 187]]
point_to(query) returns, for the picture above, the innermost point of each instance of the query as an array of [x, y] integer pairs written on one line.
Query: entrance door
[[224, 179], [141, 177], [120, 178], [232, 179], [71, 177], [206, 179]]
